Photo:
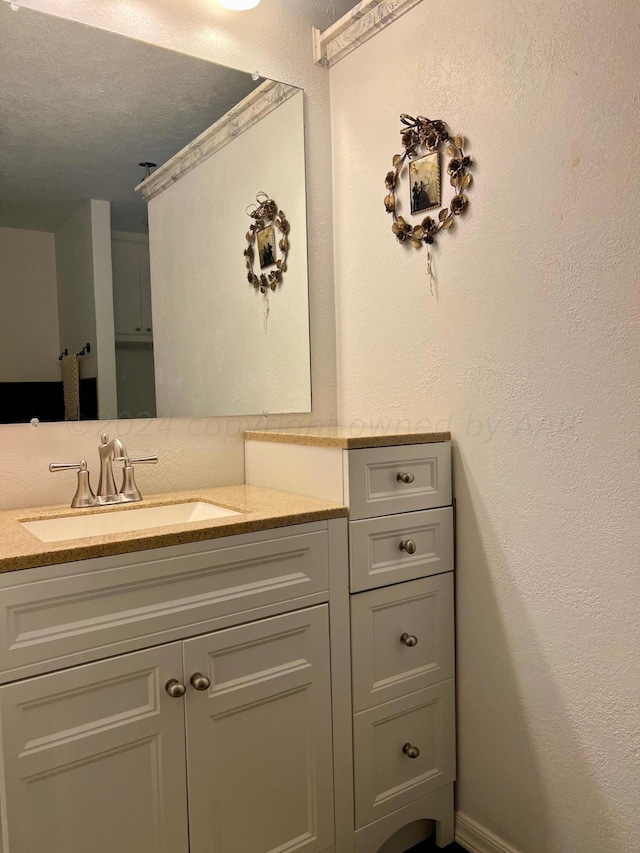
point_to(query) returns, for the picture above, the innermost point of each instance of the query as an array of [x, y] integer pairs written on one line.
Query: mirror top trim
[[355, 28], [257, 104]]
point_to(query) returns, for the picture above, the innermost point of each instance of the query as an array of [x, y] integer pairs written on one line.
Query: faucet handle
[[84, 495], [129, 490], [68, 466]]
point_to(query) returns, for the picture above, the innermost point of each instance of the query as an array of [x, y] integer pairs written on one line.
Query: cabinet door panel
[[145, 290], [259, 739], [127, 303], [93, 758]]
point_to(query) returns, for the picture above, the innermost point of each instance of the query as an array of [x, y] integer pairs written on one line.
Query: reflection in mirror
[[159, 292]]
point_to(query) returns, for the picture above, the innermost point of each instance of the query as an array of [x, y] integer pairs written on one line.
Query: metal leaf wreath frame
[[264, 214], [422, 135]]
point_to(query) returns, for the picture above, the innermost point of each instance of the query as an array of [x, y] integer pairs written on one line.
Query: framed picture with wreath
[[422, 139], [267, 220]]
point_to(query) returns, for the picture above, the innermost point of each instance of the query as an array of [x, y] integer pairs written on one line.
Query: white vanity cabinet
[[399, 722], [201, 741]]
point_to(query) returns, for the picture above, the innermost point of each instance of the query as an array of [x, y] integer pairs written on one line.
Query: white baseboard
[[476, 839]]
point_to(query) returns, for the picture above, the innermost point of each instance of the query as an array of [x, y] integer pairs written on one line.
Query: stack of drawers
[[391, 600], [402, 625]]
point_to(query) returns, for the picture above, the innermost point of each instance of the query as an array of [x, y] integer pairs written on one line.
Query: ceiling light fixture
[[239, 5]]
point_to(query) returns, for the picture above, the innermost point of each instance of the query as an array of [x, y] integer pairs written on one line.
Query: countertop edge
[[345, 442]]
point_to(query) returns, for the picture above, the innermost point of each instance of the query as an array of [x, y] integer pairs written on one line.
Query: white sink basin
[[123, 521]]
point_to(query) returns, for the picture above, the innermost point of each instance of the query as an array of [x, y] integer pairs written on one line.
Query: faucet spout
[[109, 450]]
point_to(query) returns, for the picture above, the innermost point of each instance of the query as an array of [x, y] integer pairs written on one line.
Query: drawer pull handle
[[410, 751], [408, 546], [409, 640], [174, 688], [405, 477], [200, 681]]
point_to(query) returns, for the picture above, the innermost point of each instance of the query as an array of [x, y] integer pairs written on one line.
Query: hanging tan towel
[[70, 383]]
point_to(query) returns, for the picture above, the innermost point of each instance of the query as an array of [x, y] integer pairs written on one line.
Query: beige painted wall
[[29, 340], [85, 296], [530, 352], [103, 295], [199, 452], [200, 291], [76, 297]]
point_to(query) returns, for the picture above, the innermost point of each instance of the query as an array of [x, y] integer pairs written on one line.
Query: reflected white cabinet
[[205, 727], [131, 287]]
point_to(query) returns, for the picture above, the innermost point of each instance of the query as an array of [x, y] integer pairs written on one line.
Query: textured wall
[[530, 352], [275, 39]]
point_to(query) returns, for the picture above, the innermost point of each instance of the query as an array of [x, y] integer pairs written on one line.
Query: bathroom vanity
[[279, 679]]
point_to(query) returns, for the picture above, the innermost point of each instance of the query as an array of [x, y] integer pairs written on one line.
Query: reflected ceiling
[[91, 149], [45, 177]]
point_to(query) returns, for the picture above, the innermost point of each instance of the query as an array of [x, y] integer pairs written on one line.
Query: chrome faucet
[[110, 452]]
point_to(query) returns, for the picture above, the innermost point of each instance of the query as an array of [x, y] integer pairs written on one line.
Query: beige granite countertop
[[261, 509], [345, 437]]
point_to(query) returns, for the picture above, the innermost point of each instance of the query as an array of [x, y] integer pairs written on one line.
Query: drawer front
[[382, 549], [402, 639], [376, 474], [384, 738], [49, 619]]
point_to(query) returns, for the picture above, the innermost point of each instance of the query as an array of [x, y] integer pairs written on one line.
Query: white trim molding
[[356, 27], [258, 104], [476, 839]]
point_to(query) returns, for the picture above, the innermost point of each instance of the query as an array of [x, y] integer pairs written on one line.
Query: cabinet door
[[93, 758], [127, 296], [259, 737], [145, 289]]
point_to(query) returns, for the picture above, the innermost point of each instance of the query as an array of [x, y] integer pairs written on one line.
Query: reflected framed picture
[[424, 181], [267, 246]]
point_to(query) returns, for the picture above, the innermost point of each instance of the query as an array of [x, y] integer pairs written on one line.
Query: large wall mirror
[[119, 302]]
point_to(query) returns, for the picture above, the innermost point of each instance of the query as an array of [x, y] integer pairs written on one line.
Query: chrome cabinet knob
[[408, 546], [200, 681], [410, 751], [174, 688], [409, 640], [405, 477]]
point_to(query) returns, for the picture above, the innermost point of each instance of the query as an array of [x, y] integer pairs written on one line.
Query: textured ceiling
[[81, 107]]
